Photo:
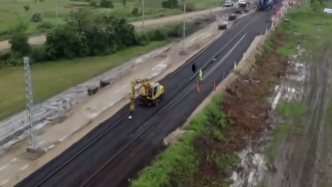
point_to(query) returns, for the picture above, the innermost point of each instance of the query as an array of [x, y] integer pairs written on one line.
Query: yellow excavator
[[150, 93]]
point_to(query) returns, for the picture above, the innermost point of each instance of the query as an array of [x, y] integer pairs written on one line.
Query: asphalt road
[[155, 126]]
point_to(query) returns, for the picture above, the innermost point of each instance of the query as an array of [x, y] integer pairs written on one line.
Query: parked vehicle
[[242, 3], [228, 3]]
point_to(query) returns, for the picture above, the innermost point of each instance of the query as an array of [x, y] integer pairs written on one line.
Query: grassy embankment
[[51, 78], [13, 12], [208, 152]]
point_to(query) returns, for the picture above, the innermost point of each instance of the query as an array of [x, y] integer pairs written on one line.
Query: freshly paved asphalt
[[85, 164]]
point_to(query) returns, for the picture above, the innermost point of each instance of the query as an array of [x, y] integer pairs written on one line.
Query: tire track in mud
[[320, 90], [320, 177], [299, 161]]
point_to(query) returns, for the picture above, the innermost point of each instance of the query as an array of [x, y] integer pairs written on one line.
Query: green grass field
[[12, 11], [49, 79]]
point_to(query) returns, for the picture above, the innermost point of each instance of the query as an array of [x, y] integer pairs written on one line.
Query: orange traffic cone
[[198, 88]]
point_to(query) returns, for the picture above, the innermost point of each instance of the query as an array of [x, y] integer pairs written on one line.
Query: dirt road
[[305, 157], [37, 40]]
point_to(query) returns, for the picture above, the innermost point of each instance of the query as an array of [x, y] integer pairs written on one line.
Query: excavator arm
[[144, 90]]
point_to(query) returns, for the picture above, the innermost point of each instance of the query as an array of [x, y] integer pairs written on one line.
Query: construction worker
[[200, 76], [200, 80]]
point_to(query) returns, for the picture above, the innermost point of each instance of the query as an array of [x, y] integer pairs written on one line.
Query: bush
[[37, 17], [38, 54], [174, 31], [44, 26], [190, 7], [20, 27], [142, 39], [157, 34], [134, 11], [26, 7], [93, 4], [170, 4], [19, 44], [13, 60], [106, 4]]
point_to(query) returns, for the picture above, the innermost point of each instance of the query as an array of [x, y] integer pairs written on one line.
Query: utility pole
[[143, 13], [29, 97], [184, 26], [56, 12]]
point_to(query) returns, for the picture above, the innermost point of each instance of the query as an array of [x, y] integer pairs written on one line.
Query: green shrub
[[135, 11], [19, 43], [157, 34], [37, 17], [26, 7], [106, 4], [93, 4], [38, 54], [190, 7], [142, 39], [44, 26], [170, 4]]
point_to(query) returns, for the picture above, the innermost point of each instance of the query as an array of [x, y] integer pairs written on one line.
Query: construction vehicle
[[264, 5], [150, 93]]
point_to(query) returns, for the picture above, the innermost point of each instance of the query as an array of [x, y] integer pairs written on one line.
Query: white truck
[[242, 3], [228, 3]]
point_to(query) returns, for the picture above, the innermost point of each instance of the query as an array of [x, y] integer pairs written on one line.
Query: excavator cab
[[150, 93], [154, 94]]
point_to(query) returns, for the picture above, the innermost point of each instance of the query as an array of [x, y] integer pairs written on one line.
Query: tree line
[[85, 34]]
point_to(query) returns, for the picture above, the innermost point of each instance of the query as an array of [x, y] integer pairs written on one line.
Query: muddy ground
[[304, 154]]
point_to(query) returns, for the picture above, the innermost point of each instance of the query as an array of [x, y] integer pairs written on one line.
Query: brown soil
[[244, 124]]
